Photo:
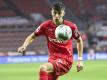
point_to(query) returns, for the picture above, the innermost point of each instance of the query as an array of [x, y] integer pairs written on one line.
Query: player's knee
[[43, 68], [47, 68]]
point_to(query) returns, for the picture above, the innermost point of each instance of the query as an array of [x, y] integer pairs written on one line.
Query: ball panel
[[63, 32]]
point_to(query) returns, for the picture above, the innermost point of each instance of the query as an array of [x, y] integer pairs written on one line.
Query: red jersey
[[56, 48]]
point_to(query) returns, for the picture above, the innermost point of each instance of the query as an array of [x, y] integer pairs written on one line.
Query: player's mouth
[[56, 17]]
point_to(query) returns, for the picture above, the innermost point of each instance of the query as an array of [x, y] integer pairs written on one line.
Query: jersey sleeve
[[41, 29], [75, 32]]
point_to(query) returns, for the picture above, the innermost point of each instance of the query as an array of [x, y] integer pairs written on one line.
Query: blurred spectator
[[92, 38], [91, 54]]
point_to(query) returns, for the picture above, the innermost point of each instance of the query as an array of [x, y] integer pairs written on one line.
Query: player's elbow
[[31, 36], [79, 40]]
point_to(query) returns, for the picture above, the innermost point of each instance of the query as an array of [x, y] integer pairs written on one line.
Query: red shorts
[[61, 65]]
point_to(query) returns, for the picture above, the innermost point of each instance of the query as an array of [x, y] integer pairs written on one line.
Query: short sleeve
[[41, 29], [76, 33]]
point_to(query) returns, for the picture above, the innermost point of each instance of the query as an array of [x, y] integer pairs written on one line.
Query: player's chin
[[57, 19]]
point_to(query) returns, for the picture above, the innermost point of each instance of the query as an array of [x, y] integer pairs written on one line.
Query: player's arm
[[39, 31], [80, 48], [26, 43], [80, 54]]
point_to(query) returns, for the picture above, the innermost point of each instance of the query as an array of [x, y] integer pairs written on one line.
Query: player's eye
[[59, 13], [55, 13]]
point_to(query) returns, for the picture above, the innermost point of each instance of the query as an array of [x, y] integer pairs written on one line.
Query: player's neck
[[59, 22]]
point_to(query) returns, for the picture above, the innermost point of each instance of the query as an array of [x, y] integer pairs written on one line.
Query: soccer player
[[60, 53]]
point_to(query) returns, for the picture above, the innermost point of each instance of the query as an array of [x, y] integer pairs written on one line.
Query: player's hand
[[22, 49], [79, 65]]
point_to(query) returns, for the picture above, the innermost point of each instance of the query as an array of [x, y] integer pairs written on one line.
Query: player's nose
[[56, 16]]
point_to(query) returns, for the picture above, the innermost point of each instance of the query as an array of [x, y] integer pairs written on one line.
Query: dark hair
[[58, 6]]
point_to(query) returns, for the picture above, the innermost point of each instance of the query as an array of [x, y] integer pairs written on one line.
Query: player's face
[[57, 15]]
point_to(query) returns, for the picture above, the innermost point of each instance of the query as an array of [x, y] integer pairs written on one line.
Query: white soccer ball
[[63, 33]]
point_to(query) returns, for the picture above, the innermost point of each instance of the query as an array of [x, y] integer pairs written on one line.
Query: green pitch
[[93, 70]]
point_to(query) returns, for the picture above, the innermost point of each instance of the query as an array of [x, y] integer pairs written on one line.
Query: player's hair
[[58, 6]]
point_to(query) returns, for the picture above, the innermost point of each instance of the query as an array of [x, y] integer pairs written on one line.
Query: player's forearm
[[80, 47], [29, 40]]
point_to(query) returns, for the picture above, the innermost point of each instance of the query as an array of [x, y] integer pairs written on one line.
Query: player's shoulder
[[71, 24], [47, 21]]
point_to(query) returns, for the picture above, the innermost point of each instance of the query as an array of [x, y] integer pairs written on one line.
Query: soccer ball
[[63, 33]]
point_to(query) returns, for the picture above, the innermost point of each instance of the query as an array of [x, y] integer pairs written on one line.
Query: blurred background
[[19, 18]]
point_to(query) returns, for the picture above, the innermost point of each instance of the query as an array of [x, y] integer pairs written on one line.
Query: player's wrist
[[80, 58]]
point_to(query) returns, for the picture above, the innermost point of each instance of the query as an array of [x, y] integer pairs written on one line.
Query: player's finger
[[20, 50], [79, 68], [24, 52]]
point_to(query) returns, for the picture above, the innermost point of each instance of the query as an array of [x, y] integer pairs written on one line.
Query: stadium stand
[[4, 10], [15, 27], [12, 37], [28, 7], [15, 23]]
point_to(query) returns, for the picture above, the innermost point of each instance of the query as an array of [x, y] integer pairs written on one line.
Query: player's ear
[[63, 13], [52, 12]]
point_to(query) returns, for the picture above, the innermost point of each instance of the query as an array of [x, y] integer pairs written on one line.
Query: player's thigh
[[61, 66], [48, 67]]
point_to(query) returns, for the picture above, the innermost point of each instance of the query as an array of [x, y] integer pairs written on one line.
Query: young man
[[60, 54]]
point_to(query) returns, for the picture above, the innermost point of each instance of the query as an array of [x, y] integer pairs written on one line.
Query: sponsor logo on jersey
[[55, 40]]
